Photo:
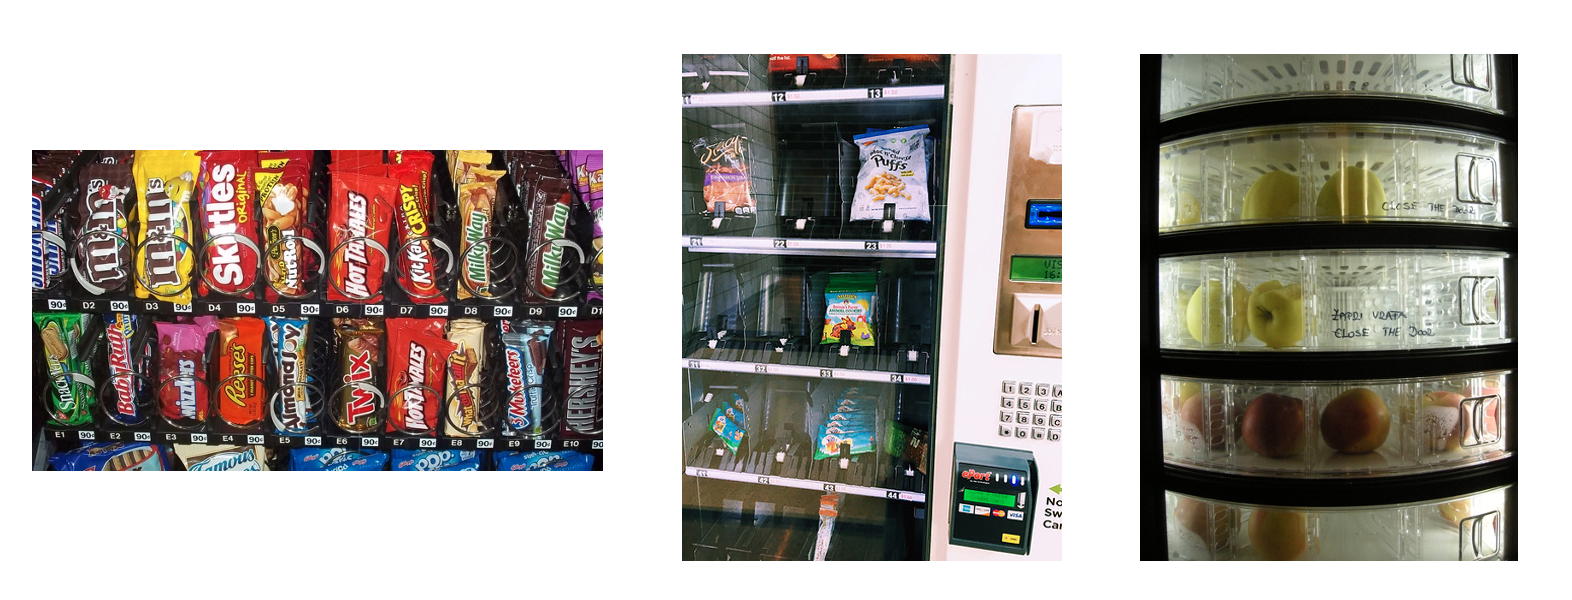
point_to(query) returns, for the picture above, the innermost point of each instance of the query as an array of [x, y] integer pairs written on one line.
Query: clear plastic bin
[[1330, 173], [1336, 429], [1196, 82], [1333, 300], [1470, 527]]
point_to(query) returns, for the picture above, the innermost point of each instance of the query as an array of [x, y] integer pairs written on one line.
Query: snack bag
[[202, 457], [539, 460], [182, 370], [241, 400], [278, 160], [435, 460], [68, 401], [464, 370], [730, 431], [361, 212], [229, 216], [284, 194], [417, 356], [110, 456], [336, 459], [360, 347], [105, 239], [727, 189], [128, 336], [848, 302], [166, 181], [894, 172], [416, 271], [290, 340], [524, 348]]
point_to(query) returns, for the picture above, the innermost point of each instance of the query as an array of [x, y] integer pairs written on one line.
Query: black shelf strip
[[1342, 492], [1336, 366], [1332, 236], [1297, 111]]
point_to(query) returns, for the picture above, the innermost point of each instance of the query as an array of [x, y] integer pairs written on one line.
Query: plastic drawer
[[1469, 527], [1336, 429], [1333, 300], [1196, 82], [1355, 172]]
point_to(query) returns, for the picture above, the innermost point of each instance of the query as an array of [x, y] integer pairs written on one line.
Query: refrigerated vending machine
[[818, 239]]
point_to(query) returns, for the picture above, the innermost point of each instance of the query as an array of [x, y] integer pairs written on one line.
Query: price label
[[777, 96], [483, 444], [182, 308], [701, 473], [369, 442], [245, 308], [764, 480], [255, 439], [85, 435], [695, 242], [875, 93], [870, 245], [761, 368], [501, 311], [437, 310], [199, 438], [341, 309], [567, 311], [312, 440], [780, 242], [542, 444], [598, 445], [119, 306], [57, 304], [428, 442], [310, 309], [472, 311], [897, 378], [89, 305], [827, 373], [142, 436], [374, 310]]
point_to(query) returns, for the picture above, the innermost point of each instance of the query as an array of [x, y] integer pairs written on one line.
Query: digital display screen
[[1040, 269], [1044, 214], [982, 497]]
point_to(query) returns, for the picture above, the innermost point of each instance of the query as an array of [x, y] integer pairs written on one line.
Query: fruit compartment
[[1197, 82], [1333, 300], [1468, 527], [1330, 173], [1336, 429]]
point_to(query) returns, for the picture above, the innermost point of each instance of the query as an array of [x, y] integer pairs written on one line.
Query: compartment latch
[[1471, 70], [1476, 179], [1473, 543], [1477, 299], [1479, 433]]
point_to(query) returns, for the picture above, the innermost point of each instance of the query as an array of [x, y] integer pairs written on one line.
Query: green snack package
[[848, 306], [729, 432], [67, 400]]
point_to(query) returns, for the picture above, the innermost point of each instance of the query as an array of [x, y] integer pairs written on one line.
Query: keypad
[[1030, 410]]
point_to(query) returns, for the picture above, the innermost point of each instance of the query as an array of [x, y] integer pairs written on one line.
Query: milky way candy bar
[[582, 412], [464, 410], [477, 204], [361, 211], [550, 208], [417, 356], [166, 181], [291, 360], [104, 239], [360, 350], [229, 218]]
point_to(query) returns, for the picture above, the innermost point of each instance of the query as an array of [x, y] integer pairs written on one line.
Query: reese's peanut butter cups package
[[581, 347], [477, 207], [166, 181], [128, 337], [182, 371], [417, 356], [463, 406], [361, 211], [68, 401], [241, 399], [360, 348], [291, 360], [416, 265], [229, 218], [525, 348], [105, 239], [284, 194]]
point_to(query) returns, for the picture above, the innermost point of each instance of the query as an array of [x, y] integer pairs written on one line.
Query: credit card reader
[[995, 497]]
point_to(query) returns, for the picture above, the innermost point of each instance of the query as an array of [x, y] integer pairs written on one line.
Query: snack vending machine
[[1329, 278], [815, 203]]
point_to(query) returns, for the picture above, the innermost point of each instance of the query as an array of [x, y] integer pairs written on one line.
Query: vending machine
[[820, 269]]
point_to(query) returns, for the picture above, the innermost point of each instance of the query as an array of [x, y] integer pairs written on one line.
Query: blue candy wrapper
[[336, 459], [436, 460], [111, 456], [565, 460]]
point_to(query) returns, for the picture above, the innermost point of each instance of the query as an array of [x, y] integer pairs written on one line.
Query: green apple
[[1189, 209], [1274, 195], [1353, 192], [1277, 314], [1204, 315], [1279, 534]]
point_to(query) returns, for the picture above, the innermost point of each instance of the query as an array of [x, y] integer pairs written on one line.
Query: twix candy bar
[[417, 356], [104, 212], [361, 210], [166, 180], [241, 400], [229, 216], [463, 406], [360, 351]]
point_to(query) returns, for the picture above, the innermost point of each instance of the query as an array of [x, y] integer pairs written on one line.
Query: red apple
[[1356, 422], [1274, 425]]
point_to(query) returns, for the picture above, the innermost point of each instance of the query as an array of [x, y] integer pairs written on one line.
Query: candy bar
[[360, 346], [417, 356], [104, 238], [67, 401], [241, 400], [165, 180], [291, 342], [361, 213], [229, 217], [284, 196], [463, 406], [525, 347], [182, 375], [581, 348]]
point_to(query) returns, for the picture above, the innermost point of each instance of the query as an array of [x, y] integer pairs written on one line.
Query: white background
[[601, 75]]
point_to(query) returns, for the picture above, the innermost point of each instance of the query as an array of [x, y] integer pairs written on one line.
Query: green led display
[[1042, 269], [988, 497]]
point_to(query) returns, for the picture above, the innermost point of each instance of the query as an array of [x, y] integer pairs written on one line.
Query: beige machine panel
[[1029, 320]]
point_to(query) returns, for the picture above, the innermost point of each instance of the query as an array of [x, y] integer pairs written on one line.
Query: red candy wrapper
[[362, 207], [241, 400], [581, 345], [417, 264], [417, 355], [181, 347], [360, 348], [229, 213]]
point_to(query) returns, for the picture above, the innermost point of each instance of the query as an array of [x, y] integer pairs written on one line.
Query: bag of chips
[[727, 189], [894, 172]]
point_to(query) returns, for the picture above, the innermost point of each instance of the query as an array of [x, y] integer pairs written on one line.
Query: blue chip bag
[[539, 460], [111, 456]]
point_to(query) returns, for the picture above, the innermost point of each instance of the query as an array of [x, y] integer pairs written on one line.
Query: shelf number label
[[373, 310], [368, 442], [119, 306], [115, 436], [215, 308], [542, 444], [687, 99], [897, 378], [341, 441], [199, 438], [764, 480], [406, 311], [761, 368], [278, 309], [596, 311], [870, 245], [226, 439], [827, 373], [570, 443], [598, 445], [471, 311], [535, 311], [892, 495], [245, 308], [170, 437], [310, 309], [829, 487], [455, 443], [701, 473], [255, 439], [501, 311], [483, 444], [567, 311], [780, 242], [57, 304], [777, 96], [142, 436], [341, 309], [85, 435], [282, 440], [693, 242], [428, 442], [312, 440], [182, 308], [875, 93], [88, 305], [149, 306], [437, 311]]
